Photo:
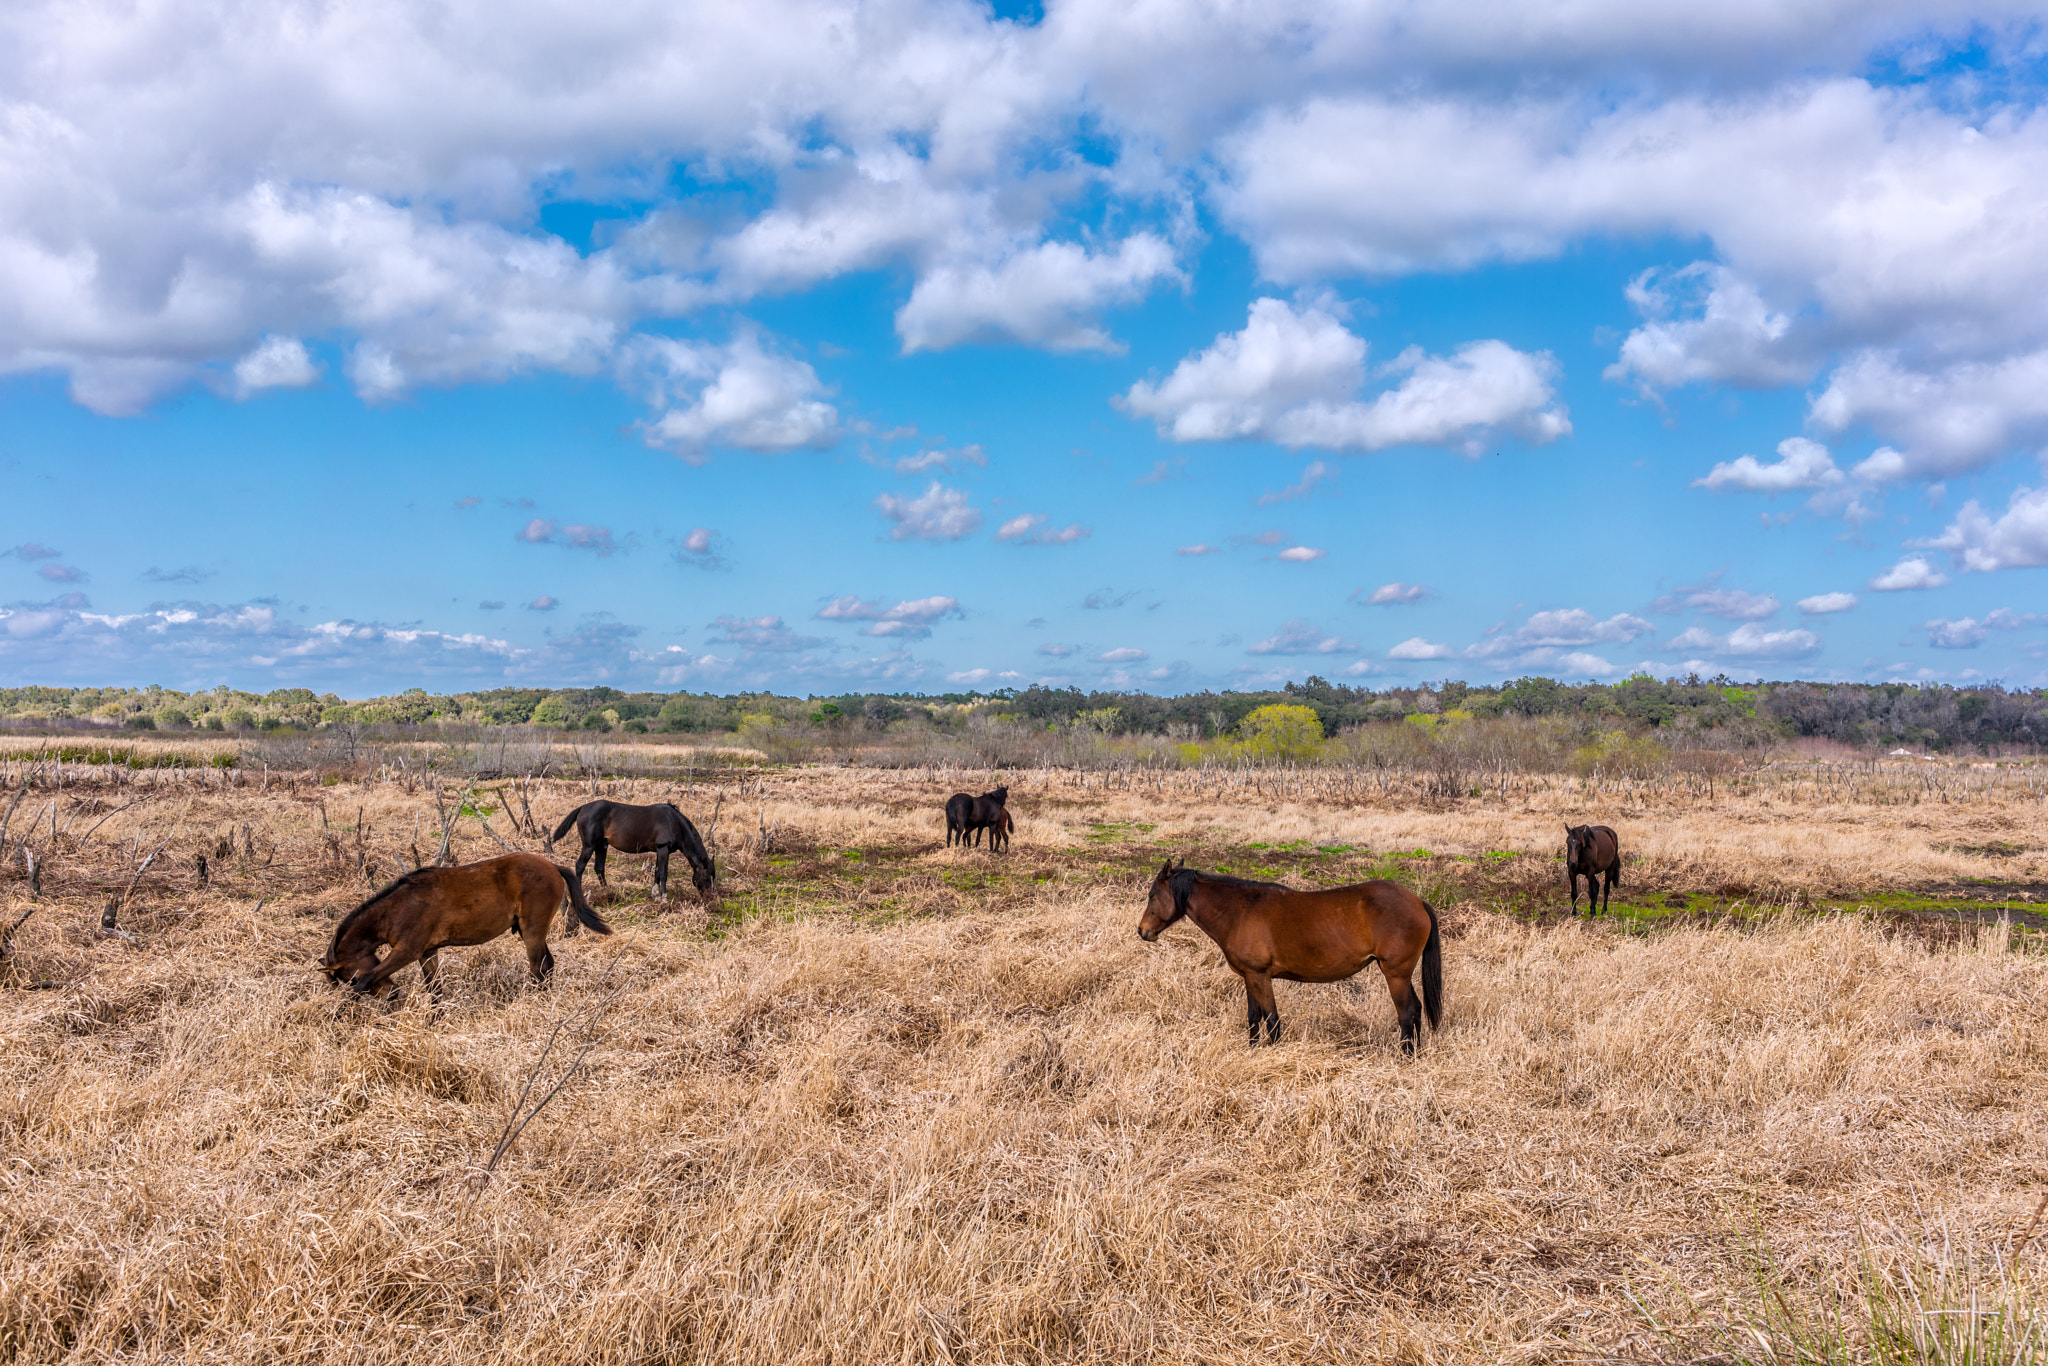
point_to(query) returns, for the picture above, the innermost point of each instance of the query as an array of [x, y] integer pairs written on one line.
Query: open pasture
[[892, 1101]]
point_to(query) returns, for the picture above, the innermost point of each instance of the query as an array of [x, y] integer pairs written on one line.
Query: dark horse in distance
[[967, 816], [1592, 852], [1267, 930], [637, 830], [431, 909]]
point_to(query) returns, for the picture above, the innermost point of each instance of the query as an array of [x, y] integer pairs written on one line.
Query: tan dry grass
[[1011, 1135]]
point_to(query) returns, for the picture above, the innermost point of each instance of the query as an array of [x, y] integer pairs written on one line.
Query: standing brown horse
[[637, 830], [968, 816], [436, 908], [1592, 852], [1267, 930]]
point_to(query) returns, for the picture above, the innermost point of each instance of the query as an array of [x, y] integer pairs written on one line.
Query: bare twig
[[102, 821], [7, 935], [515, 1124], [2028, 1236], [113, 911], [21, 792]]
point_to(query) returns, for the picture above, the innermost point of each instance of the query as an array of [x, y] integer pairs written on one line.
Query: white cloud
[[1560, 628], [1577, 662], [276, 363], [911, 618], [1966, 634], [1801, 464], [1394, 594], [701, 548], [1300, 638], [1415, 647], [574, 535], [937, 514], [1734, 337], [1749, 641], [1301, 554], [971, 677], [1030, 529], [1058, 651], [1820, 604], [945, 462], [546, 602], [765, 634], [1293, 375], [1944, 421], [1200, 548], [1709, 599], [739, 395], [1123, 654], [1909, 573], [2017, 539], [1042, 296]]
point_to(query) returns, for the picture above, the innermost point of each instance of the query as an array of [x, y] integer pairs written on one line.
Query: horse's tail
[[1433, 970], [584, 914], [567, 821]]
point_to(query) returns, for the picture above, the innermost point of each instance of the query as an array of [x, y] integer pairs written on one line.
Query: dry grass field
[[892, 1102]]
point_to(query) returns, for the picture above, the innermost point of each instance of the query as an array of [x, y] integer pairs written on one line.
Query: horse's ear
[[1165, 872], [1183, 863]]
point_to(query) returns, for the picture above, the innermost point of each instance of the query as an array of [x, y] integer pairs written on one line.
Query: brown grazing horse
[[1267, 930], [637, 830], [1000, 832], [1594, 852], [436, 908]]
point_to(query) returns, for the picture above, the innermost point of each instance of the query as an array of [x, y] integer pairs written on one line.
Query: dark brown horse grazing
[[1594, 852], [436, 908], [999, 833], [1267, 931], [636, 830]]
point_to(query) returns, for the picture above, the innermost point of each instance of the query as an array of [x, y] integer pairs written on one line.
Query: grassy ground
[[889, 1101]]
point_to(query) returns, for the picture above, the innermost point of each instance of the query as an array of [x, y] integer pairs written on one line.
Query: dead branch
[[102, 821], [515, 1125], [114, 907]]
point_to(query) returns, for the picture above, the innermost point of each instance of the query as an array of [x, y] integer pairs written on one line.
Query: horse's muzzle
[[1151, 938]]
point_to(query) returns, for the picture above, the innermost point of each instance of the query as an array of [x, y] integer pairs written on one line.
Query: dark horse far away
[[637, 830], [1268, 930], [967, 816], [1592, 852], [431, 909]]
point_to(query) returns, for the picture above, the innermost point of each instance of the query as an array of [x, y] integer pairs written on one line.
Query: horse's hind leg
[[1607, 888], [601, 847], [1407, 1006]]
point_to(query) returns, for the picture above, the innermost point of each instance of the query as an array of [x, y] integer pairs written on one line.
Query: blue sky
[[818, 346]]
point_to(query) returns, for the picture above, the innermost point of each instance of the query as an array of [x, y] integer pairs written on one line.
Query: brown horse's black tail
[[587, 917], [563, 828], [1433, 970]]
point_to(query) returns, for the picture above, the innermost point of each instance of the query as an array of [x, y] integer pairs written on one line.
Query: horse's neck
[[1215, 908]]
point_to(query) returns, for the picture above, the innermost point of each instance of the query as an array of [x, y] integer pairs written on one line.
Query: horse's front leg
[[661, 852], [430, 968], [1571, 880], [1260, 1008], [400, 956]]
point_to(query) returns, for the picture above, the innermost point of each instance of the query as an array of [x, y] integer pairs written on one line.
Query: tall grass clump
[[1905, 1301]]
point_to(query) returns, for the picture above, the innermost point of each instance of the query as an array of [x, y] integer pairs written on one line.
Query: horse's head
[[705, 876], [1162, 908], [1000, 796], [1576, 838]]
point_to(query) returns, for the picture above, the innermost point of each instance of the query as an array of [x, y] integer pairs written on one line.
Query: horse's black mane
[[403, 879], [1183, 883]]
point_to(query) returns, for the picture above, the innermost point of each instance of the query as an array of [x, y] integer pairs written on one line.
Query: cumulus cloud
[[1123, 654], [1943, 421], [575, 535], [190, 573], [1301, 554], [1199, 548], [1058, 651], [1729, 336], [1030, 529], [1912, 572], [1801, 464], [1415, 647], [1395, 594], [910, 618], [546, 602], [1749, 641], [1965, 634], [1300, 638], [701, 548], [1293, 376], [276, 363], [1981, 543], [740, 395], [1044, 295], [1821, 604], [938, 514], [1561, 628], [33, 550], [60, 573]]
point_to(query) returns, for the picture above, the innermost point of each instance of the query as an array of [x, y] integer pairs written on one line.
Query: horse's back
[[1331, 932]]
